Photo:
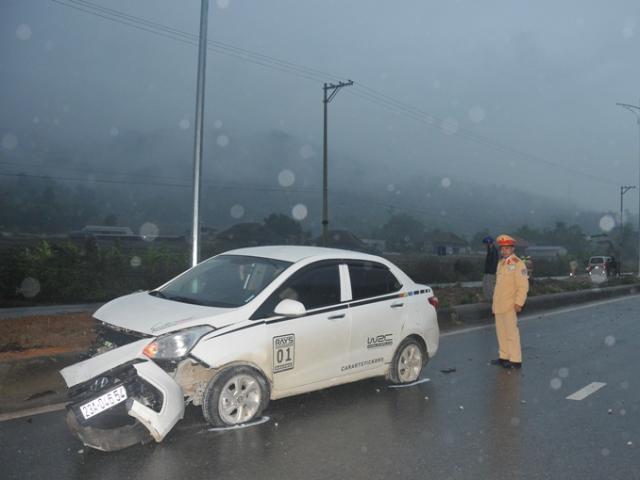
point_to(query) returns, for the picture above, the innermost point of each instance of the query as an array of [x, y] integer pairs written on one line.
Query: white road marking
[[32, 411], [237, 427], [533, 316], [417, 382], [586, 391]]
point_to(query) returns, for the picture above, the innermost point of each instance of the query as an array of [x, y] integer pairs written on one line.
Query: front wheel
[[407, 362], [235, 396]]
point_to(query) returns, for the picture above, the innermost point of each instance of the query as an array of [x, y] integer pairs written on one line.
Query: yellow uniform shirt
[[512, 285]]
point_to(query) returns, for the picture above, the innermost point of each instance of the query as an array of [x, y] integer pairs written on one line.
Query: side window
[[314, 287], [371, 279]]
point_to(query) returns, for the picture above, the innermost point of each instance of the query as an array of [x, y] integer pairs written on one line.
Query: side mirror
[[290, 308]]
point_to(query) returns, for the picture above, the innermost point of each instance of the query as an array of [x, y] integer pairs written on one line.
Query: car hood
[[144, 313]]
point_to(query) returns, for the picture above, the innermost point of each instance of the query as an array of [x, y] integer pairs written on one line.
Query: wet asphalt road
[[478, 422]]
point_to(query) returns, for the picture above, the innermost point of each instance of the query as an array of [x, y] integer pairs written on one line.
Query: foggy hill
[[146, 177]]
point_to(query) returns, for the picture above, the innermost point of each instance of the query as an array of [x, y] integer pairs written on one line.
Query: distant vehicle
[[242, 328], [599, 265]]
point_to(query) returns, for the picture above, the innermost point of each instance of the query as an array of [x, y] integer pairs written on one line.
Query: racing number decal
[[284, 348]]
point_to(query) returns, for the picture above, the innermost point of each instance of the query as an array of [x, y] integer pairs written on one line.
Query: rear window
[[596, 260], [371, 280]]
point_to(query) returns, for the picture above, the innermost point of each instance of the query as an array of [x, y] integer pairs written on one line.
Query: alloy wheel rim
[[240, 399], [410, 363]]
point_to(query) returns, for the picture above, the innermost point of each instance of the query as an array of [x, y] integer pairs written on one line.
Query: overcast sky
[[504, 92]]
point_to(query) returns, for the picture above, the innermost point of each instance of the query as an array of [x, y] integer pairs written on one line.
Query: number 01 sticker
[[284, 348]]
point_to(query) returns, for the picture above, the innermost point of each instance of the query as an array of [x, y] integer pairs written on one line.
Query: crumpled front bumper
[[155, 402]]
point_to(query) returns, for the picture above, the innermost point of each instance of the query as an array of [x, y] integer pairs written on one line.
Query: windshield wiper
[[178, 298], [158, 293]]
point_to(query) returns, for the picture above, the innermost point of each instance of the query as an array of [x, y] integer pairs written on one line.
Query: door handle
[[397, 305], [336, 316]]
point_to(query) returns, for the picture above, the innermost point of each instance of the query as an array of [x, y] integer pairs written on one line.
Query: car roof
[[296, 253]]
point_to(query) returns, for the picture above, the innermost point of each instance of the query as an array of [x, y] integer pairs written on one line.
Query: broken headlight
[[174, 346]]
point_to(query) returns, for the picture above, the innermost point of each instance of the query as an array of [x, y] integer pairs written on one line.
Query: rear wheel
[[407, 362], [235, 396]]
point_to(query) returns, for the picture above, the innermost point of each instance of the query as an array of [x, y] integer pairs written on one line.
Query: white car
[[242, 328]]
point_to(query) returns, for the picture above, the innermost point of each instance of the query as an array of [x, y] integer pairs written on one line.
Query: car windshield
[[226, 281]]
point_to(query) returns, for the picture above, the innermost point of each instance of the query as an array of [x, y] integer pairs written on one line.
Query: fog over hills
[[146, 177]]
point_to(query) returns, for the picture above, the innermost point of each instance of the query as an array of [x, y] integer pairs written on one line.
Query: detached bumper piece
[[154, 404]]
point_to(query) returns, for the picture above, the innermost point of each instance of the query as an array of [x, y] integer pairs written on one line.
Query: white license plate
[[104, 402]]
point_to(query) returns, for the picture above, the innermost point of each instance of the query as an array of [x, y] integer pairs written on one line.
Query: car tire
[[235, 396], [408, 362]]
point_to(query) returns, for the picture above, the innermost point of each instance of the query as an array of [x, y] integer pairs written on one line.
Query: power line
[[362, 91], [161, 184]]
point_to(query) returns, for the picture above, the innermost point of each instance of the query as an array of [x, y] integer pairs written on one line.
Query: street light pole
[[636, 111], [623, 189], [197, 149], [334, 88]]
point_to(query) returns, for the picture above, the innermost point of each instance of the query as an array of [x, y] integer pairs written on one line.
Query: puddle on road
[[238, 427], [417, 382]]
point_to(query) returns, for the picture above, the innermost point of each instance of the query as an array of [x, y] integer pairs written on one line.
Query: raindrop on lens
[[23, 32], [237, 211], [515, 421], [445, 182], [607, 223], [30, 287], [114, 132], [217, 124], [222, 4], [476, 114], [306, 151], [299, 212], [610, 341], [135, 262], [286, 178], [563, 372], [449, 126], [9, 141], [184, 124], [149, 231], [222, 140], [605, 452], [556, 383], [391, 187]]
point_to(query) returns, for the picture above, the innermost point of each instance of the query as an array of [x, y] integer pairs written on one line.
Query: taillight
[[434, 301]]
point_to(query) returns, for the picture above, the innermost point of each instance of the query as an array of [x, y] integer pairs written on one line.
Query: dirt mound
[[45, 335]]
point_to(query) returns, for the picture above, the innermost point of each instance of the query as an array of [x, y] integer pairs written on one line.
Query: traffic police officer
[[512, 285]]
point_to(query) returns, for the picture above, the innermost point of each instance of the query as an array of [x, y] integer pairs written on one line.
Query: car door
[[312, 347], [378, 312]]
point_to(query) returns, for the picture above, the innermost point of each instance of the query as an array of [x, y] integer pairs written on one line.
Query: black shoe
[[512, 365], [499, 361]]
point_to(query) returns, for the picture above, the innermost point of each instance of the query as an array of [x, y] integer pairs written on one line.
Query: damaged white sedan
[[242, 328]]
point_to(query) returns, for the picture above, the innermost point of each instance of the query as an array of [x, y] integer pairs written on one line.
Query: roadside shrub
[[69, 273], [436, 269]]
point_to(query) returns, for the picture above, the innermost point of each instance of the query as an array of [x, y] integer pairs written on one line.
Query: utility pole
[[635, 109], [197, 149], [623, 189], [334, 88]]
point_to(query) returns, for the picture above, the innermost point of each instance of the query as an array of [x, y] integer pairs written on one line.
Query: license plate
[[103, 402]]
